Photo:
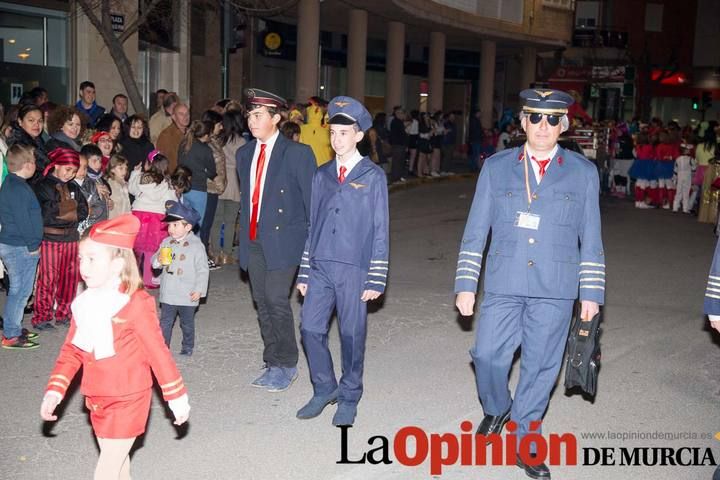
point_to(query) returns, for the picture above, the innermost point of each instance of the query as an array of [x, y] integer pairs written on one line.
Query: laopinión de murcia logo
[[412, 446]]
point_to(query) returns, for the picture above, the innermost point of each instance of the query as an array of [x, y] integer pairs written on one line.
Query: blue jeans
[[198, 201], [187, 323], [21, 266]]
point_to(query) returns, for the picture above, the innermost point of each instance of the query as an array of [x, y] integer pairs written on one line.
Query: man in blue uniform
[[275, 179], [712, 305], [345, 263], [542, 204]]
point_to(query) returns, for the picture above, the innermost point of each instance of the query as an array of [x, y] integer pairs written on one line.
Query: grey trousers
[[226, 213], [271, 293]]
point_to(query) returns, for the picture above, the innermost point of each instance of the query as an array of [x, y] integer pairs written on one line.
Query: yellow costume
[[317, 134]]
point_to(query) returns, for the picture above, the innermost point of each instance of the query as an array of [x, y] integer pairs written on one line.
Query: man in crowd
[[169, 139], [398, 142], [87, 103], [163, 117], [120, 107], [542, 204]]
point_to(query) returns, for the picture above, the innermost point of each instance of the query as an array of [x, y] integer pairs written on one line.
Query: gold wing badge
[[342, 104], [543, 94], [357, 186]]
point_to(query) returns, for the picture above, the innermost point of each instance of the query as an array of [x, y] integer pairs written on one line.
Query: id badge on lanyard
[[527, 220]]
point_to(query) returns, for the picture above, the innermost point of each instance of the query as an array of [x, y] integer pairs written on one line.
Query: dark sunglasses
[[552, 120]]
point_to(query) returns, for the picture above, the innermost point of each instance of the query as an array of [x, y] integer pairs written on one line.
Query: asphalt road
[[659, 373]]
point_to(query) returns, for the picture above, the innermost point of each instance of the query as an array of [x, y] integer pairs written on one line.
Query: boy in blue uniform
[[345, 262], [542, 204]]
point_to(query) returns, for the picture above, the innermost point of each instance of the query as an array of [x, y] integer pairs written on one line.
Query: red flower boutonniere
[[560, 161]]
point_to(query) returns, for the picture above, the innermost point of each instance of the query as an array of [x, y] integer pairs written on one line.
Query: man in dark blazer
[[275, 183]]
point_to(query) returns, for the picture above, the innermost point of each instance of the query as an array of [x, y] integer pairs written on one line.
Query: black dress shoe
[[493, 423], [538, 471]]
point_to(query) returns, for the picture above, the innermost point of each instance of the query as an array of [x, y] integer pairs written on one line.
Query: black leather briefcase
[[583, 354]]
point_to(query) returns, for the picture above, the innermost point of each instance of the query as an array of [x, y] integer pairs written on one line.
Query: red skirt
[[152, 231], [119, 417]]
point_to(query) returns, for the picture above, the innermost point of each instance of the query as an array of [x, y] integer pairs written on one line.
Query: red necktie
[[341, 177], [542, 164], [256, 192]]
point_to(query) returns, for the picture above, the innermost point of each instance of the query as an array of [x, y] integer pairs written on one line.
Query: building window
[[33, 52], [653, 17], [563, 4]]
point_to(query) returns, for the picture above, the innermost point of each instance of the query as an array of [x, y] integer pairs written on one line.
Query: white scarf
[[93, 311]]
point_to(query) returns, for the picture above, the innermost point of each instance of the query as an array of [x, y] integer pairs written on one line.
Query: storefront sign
[[272, 43]]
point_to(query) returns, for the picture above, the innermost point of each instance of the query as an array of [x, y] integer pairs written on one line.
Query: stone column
[[436, 71], [308, 45], [529, 60], [357, 54], [487, 81], [394, 65]]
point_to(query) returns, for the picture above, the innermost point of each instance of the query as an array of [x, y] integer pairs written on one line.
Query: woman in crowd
[[216, 186], [195, 154], [111, 124], [27, 131], [229, 201], [704, 154], [65, 127], [424, 146], [412, 128], [135, 143]]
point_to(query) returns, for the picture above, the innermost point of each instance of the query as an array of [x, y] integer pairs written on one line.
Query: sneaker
[[45, 326], [212, 265], [281, 378], [186, 352], [434, 174], [18, 343], [262, 380], [28, 334]]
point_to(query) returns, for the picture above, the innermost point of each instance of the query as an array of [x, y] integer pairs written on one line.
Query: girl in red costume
[[115, 337]]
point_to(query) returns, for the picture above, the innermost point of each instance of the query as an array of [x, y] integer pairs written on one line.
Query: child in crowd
[[184, 277], [685, 166], [96, 169], [151, 188], [643, 170], [20, 238], [291, 130], [666, 152], [115, 337], [97, 205], [106, 145], [180, 181], [63, 208], [115, 177], [349, 195]]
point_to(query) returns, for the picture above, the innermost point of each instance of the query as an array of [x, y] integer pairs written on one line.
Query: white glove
[[180, 408]]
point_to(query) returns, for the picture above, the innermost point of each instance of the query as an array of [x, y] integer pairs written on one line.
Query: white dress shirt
[[353, 159], [253, 168], [535, 165]]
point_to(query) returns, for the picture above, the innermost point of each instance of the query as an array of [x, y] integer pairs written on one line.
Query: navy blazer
[[285, 208], [712, 291], [349, 222], [560, 259]]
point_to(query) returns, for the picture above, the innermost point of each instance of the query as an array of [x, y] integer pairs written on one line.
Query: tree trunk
[[116, 50]]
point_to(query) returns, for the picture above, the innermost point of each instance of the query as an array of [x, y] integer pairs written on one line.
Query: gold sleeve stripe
[[472, 254], [466, 277], [470, 262], [171, 384], [174, 390], [712, 296], [594, 272], [61, 377], [593, 279], [714, 277], [57, 384], [592, 286], [468, 270]]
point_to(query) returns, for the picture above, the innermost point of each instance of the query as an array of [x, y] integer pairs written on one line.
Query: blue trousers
[[331, 286], [198, 201], [21, 266], [539, 326], [168, 313]]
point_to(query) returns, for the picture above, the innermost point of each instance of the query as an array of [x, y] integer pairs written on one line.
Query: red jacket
[[667, 152], [645, 152], [139, 347]]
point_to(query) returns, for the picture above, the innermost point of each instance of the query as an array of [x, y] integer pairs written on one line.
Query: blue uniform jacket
[[566, 250], [285, 208], [349, 222], [712, 292]]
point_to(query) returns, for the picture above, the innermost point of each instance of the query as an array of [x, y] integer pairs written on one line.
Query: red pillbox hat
[[119, 232]]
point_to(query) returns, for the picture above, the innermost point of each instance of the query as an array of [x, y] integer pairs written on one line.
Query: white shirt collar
[[349, 164], [271, 141], [535, 166]]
